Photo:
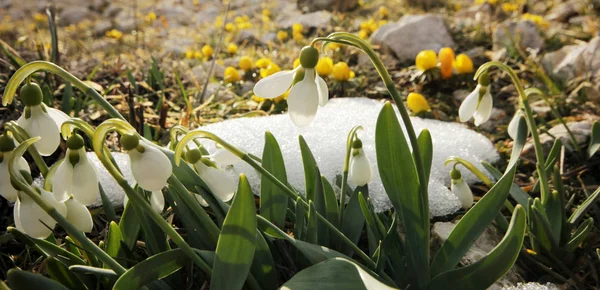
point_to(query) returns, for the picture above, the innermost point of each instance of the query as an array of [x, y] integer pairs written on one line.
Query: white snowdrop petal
[[62, 183], [150, 169], [33, 220], [6, 189], [513, 126], [274, 85], [323, 91], [484, 111], [51, 198], [79, 215], [85, 181], [157, 201], [200, 200], [40, 124], [58, 116], [469, 105], [463, 192], [359, 171], [303, 100], [224, 157], [219, 183]]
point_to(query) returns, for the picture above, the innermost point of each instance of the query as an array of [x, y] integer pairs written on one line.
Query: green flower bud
[[482, 92], [192, 156], [357, 144], [455, 174], [75, 142], [7, 143], [309, 57], [299, 75], [73, 157], [484, 79], [31, 94], [130, 142]]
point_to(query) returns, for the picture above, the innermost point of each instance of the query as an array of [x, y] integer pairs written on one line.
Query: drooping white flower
[[359, 171], [31, 219], [220, 183], [40, 120], [513, 126], [6, 146], [79, 215], [76, 176], [308, 89], [150, 167], [157, 201], [478, 104], [461, 189]]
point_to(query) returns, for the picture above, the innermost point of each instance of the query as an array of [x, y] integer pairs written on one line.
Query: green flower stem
[[288, 190], [73, 232], [25, 71], [539, 153], [22, 135], [124, 128], [349, 141], [468, 165]]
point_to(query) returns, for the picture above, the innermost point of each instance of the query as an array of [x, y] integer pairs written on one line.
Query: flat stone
[[331, 5], [74, 14], [581, 131], [102, 27], [412, 34], [497, 118], [563, 11], [574, 61], [318, 19], [525, 32]]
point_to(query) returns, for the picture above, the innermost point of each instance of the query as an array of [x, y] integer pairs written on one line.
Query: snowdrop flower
[[513, 126], [31, 219], [220, 183], [478, 104], [359, 172], [76, 176], [461, 189], [39, 120], [308, 89], [149, 166], [7, 145], [157, 201], [79, 215]]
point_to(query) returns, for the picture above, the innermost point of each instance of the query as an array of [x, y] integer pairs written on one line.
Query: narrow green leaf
[[399, 177], [101, 272], [542, 230], [580, 212], [580, 234], [129, 226], [153, 268], [67, 98], [310, 168], [263, 265], [59, 272], [555, 212], [472, 225], [23, 280], [273, 201], [237, 241], [312, 232], [335, 273], [426, 146], [320, 208], [483, 273], [369, 217], [299, 232], [54, 54], [48, 249], [15, 59], [354, 221], [516, 192], [594, 140], [331, 207]]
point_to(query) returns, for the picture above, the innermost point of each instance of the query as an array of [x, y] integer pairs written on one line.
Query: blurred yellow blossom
[[426, 59], [341, 72], [40, 17], [266, 12], [231, 75], [269, 70], [232, 48], [197, 54], [537, 19], [114, 33], [263, 62], [229, 27], [297, 28], [509, 7], [298, 36], [283, 96], [446, 56], [417, 103], [246, 63], [189, 54], [218, 22], [296, 62], [383, 12], [207, 51], [150, 17], [333, 46], [363, 34], [324, 66], [463, 64], [195, 2], [282, 35], [257, 98]]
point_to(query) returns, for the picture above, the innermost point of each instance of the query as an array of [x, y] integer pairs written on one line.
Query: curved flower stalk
[[478, 104], [150, 167], [76, 176], [308, 89], [219, 183], [7, 145], [157, 201], [38, 120], [461, 190], [360, 172]]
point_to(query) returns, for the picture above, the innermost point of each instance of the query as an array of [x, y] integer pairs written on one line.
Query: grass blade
[[273, 201], [154, 268]]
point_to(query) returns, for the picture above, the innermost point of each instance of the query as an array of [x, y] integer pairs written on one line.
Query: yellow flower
[[244, 25], [298, 37], [40, 17], [218, 22], [150, 17], [352, 74], [189, 54], [197, 54], [282, 35], [232, 48], [296, 62], [426, 59], [229, 27], [207, 51], [417, 103], [446, 57], [246, 63], [324, 66], [113, 33], [509, 7], [363, 34], [463, 64], [537, 19], [269, 70], [266, 12], [341, 72], [257, 98], [298, 28], [493, 2], [231, 75], [263, 62], [383, 12], [333, 46]]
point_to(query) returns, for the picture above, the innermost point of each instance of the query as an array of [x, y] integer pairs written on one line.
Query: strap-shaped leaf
[[426, 146], [237, 241], [399, 177], [113, 240], [312, 232], [470, 227], [518, 194], [273, 201], [584, 207], [263, 265], [483, 273], [310, 169], [299, 227], [331, 208], [154, 268], [48, 249], [580, 234], [23, 280], [354, 221], [555, 213], [59, 272], [542, 230], [129, 226], [336, 273], [594, 140]]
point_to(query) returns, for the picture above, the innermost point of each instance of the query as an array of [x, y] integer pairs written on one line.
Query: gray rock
[[475, 14], [426, 4], [412, 34], [112, 10], [574, 61], [176, 15], [497, 118], [524, 32], [74, 15], [331, 5], [101, 27], [563, 11], [319, 19], [460, 95], [247, 87], [581, 131]]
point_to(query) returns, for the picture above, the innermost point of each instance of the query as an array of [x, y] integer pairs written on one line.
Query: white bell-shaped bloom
[[79, 215], [150, 168], [157, 201], [31, 219], [79, 180], [513, 126], [359, 171], [220, 183], [6, 189], [477, 105], [43, 122], [224, 157], [463, 192]]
